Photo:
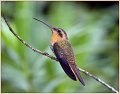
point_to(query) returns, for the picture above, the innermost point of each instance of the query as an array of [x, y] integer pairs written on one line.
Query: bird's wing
[[59, 52], [66, 58]]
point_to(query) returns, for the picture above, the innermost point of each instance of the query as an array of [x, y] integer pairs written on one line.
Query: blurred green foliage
[[92, 29]]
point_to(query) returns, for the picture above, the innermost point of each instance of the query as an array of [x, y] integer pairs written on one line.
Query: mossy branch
[[54, 58]]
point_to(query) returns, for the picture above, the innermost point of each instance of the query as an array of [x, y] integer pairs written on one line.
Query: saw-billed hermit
[[64, 53]]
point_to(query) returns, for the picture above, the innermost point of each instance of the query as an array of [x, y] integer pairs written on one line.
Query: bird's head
[[58, 34]]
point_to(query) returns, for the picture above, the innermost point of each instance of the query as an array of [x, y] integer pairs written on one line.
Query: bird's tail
[[76, 72]]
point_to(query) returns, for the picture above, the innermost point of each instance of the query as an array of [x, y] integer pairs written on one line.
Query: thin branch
[[98, 79], [25, 43], [54, 58]]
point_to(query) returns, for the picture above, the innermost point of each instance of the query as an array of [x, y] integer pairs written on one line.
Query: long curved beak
[[44, 23]]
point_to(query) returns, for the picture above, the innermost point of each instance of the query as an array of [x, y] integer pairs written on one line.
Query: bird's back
[[65, 56], [67, 51]]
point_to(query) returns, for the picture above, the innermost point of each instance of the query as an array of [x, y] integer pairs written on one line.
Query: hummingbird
[[64, 53]]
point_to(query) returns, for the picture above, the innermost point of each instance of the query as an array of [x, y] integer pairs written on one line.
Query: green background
[[92, 29]]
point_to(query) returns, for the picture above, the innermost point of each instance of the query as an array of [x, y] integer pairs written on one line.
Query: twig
[[54, 58], [99, 80], [35, 50]]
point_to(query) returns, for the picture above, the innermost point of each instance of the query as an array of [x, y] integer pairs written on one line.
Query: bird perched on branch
[[64, 53]]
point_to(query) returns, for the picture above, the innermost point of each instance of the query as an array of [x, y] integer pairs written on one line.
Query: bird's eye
[[59, 31]]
